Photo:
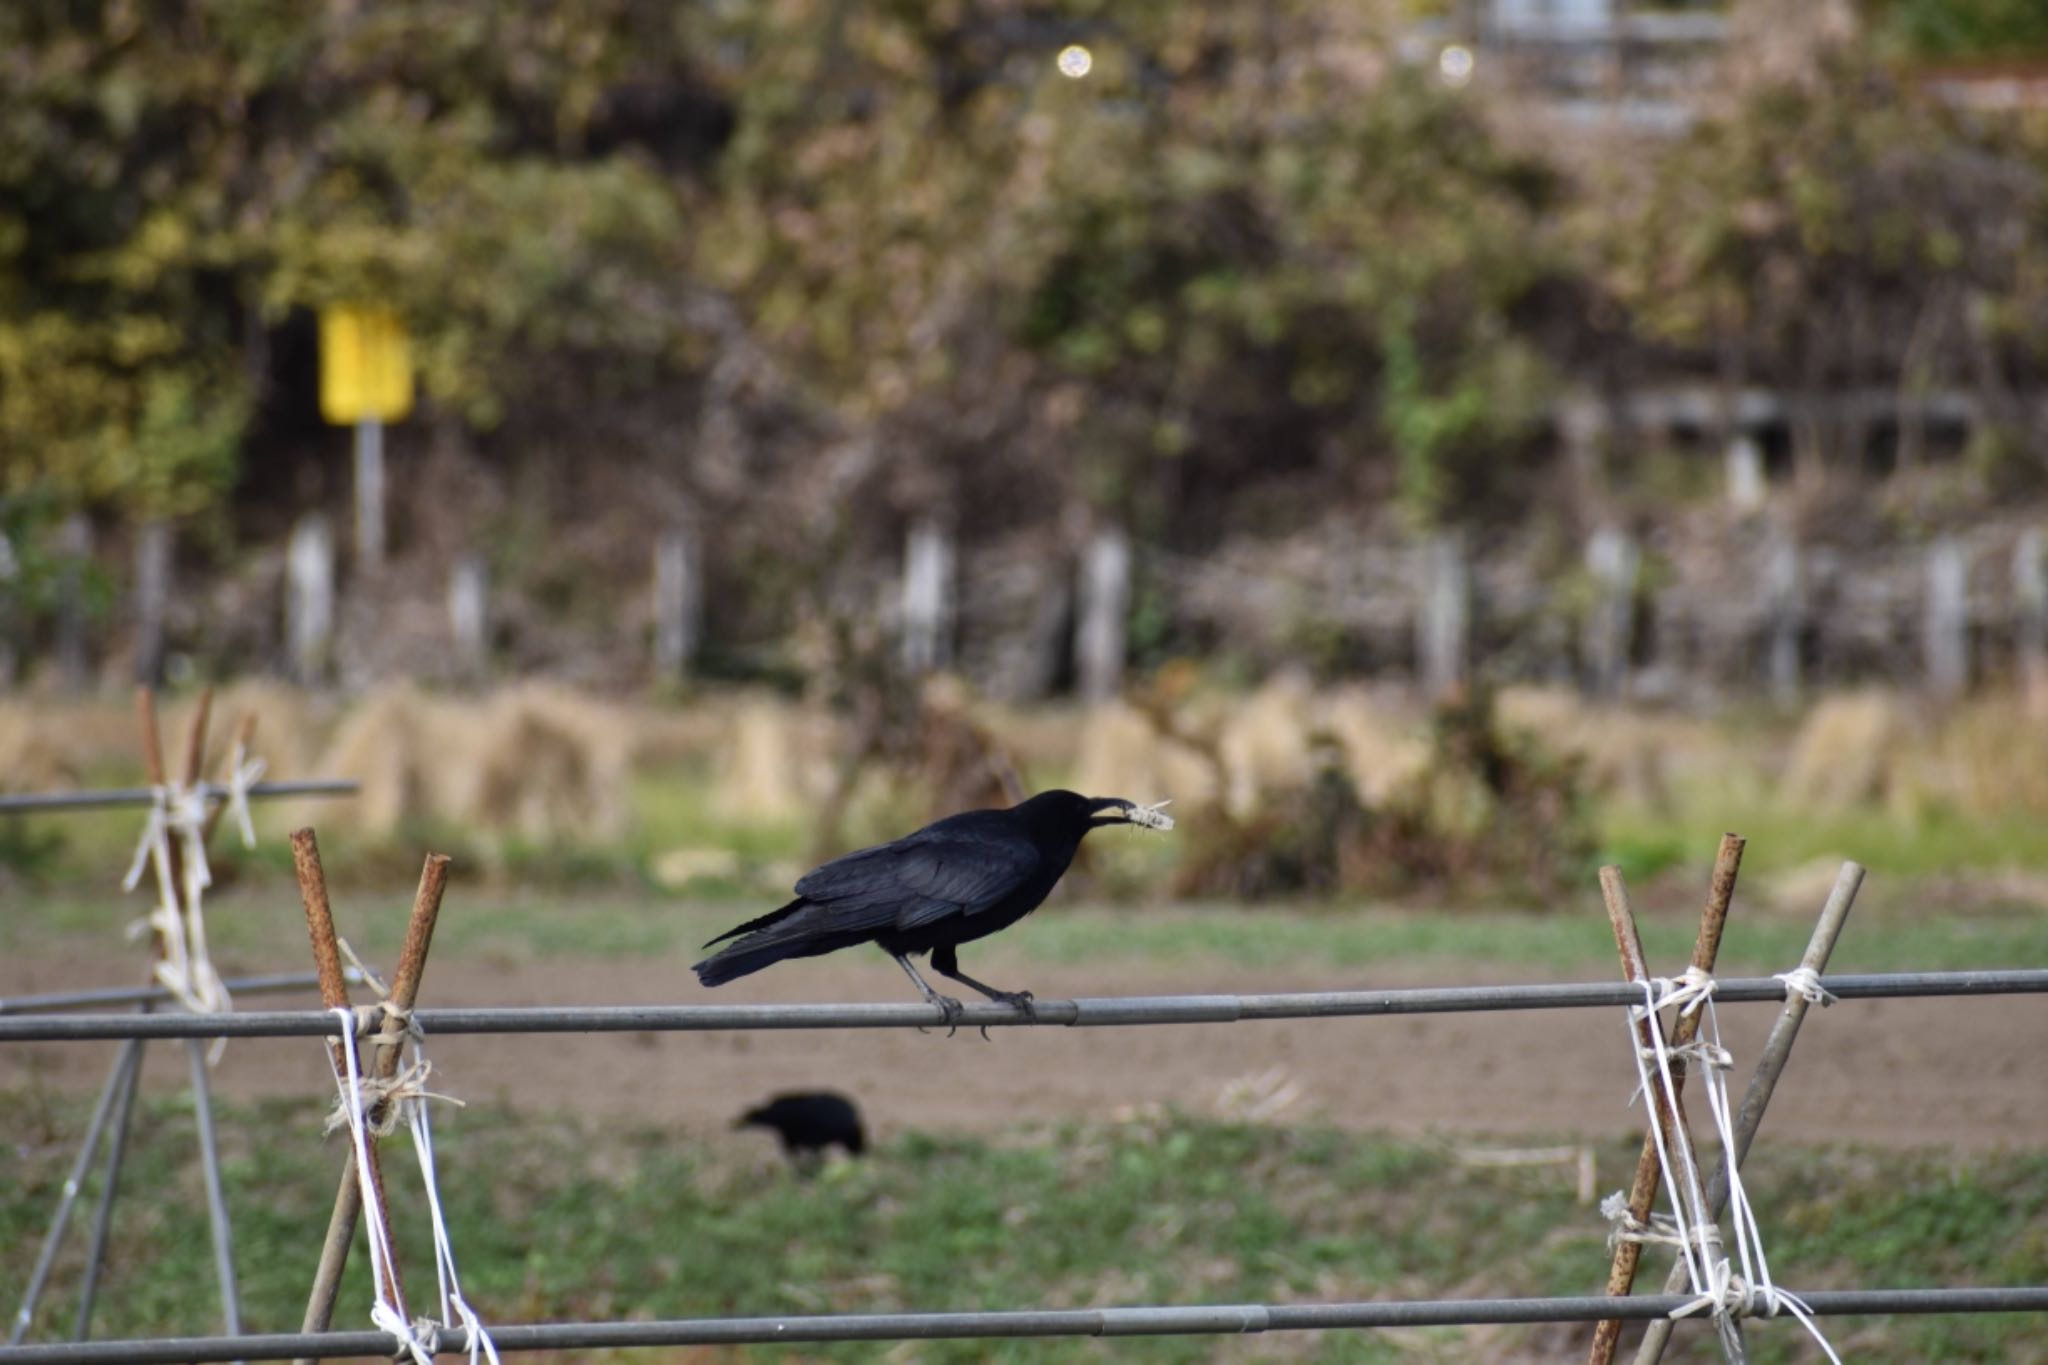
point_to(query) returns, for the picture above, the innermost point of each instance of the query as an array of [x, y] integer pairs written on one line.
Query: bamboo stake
[[1764, 1082], [1706, 948], [383, 1064]]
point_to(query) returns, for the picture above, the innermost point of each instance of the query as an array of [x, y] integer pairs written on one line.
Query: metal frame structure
[[1128, 1010], [1081, 1013], [1793, 991], [1234, 1319], [116, 1107], [32, 803]]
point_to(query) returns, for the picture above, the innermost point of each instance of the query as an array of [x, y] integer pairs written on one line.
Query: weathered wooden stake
[[1763, 1082], [1642, 1195], [405, 983], [152, 598]]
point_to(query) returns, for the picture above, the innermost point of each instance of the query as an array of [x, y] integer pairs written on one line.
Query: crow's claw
[[951, 1010]]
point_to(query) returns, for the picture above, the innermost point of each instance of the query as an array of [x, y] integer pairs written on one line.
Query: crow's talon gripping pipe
[[950, 1011], [1017, 1000]]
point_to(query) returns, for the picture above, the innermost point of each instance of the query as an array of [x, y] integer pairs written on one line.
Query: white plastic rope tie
[[1716, 1285], [406, 1097]]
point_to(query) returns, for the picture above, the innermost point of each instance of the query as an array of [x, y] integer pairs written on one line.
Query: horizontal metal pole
[[1136, 1009], [1233, 1319], [137, 995], [24, 803]]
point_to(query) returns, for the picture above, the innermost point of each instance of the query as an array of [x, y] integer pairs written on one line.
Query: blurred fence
[[1735, 603]]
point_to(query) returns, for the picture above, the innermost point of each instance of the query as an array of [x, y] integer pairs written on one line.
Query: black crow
[[809, 1121], [960, 879]]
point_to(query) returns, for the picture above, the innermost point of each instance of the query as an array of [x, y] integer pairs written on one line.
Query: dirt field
[[1962, 1073]]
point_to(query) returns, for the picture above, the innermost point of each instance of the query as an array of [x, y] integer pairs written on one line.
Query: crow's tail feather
[[743, 959], [772, 917]]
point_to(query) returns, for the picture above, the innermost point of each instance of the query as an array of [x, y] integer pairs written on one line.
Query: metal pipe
[[216, 1193], [1233, 1319], [26, 803], [110, 1184], [154, 995], [66, 1198], [1158, 1009]]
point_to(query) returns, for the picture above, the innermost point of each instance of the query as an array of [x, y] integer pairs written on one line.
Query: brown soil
[[1964, 1073]]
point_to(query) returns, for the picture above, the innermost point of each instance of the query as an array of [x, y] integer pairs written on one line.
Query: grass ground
[[553, 1220], [1994, 860], [258, 923]]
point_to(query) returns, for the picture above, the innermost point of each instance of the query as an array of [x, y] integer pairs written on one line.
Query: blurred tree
[[176, 178], [1243, 247], [1835, 232], [1962, 28]]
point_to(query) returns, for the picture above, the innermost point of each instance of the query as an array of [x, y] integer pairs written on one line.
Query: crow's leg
[[946, 962], [948, 1006]]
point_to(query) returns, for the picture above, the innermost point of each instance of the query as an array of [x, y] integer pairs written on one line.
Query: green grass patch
[[553, 1221], [262, 928], [1936, 842]]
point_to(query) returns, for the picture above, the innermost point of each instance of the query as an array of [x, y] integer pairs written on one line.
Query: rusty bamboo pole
[[1706, 948], [195, 738], [152, 738], [1763, 1083], [383, 1065]]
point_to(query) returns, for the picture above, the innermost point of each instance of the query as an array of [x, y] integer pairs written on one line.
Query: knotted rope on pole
[[1713, 1279], [404, 1098], [1804, 982], [185, 969]]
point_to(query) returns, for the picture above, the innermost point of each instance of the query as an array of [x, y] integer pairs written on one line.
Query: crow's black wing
[[956, 867]]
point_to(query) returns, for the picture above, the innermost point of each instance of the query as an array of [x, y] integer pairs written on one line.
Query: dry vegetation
[[1291, 789]]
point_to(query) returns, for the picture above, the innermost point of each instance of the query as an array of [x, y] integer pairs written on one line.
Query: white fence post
[[1613, 562], [1102, 624], [309, 599], [1946, 630], [469, 614], [369, 469], [1745, 474], [1443, 625], [2030, 612], [927, 598], [1784, 616], [678, 602]]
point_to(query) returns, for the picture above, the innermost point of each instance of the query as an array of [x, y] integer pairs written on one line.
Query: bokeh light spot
[[1455, 64]]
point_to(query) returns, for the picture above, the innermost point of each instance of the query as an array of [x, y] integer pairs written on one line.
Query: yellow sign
[[365, 365]]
